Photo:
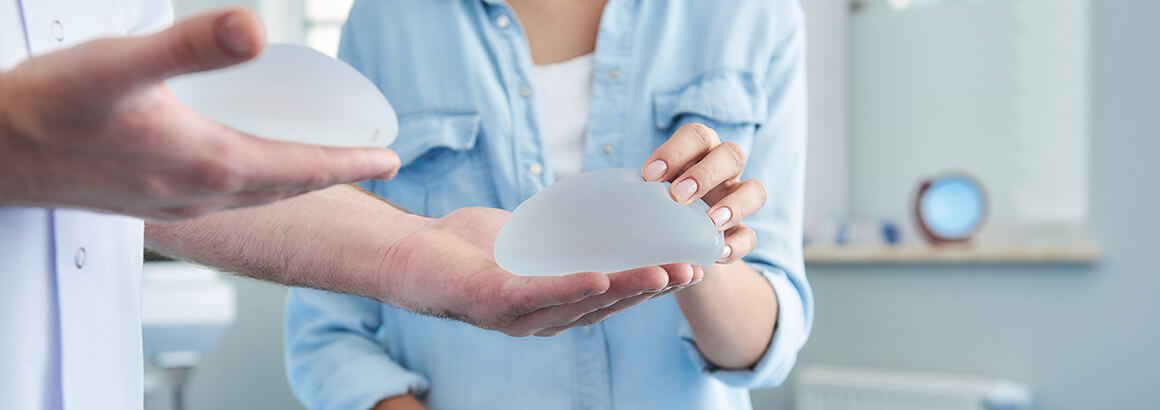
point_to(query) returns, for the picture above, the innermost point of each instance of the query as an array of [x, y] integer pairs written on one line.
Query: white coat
[[70, 294]]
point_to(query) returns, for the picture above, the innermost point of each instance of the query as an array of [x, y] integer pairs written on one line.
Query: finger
[[207, 41], [526, 294], [689, 144], [724, 163], [622, 285], [286, 166], [679, 274], [739, 241], [597, 316], [746, 198], [698, 275]]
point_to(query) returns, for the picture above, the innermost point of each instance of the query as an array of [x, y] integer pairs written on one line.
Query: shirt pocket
[[443, 163], [729, 102]]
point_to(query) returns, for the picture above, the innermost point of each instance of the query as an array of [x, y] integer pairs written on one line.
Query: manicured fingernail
[[588, 293], [721, 215], [685, 189], [232, 35], [655, 170], [725, 253]]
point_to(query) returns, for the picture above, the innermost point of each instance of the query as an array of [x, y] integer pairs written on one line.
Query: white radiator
[[834, 388]]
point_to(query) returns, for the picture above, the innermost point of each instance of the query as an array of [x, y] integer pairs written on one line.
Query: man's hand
[[448, 270], [94, 127], [403, 402]]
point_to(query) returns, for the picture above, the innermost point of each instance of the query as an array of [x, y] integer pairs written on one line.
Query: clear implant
[[605, 221]]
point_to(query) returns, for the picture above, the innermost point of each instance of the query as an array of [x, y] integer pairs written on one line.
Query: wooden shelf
[[1081, 253]]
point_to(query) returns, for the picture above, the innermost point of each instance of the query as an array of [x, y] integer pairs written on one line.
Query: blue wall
[[1080, 337]]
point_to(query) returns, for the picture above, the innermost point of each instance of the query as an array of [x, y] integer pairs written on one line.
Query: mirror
[[950, 208]]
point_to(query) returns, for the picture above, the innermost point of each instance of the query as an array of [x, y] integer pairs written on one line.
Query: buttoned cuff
[[360, 384], [788, 338]]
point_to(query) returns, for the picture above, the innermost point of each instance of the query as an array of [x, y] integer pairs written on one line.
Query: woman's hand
[[733, 313], [700, 166]]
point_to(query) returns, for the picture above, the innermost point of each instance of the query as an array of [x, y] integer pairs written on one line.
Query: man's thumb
[[204, 42]]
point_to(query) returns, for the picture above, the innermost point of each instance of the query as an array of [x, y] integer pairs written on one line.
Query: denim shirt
[[459, 73]]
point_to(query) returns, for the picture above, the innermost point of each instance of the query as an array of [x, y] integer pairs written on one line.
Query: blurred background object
[[185, 312], [950, 208], [1050, 104], [835, 388]]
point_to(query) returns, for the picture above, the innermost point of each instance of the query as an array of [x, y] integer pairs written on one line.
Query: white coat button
[[535, 168], [526, 91], [608, 149], [57, 30], [503, 21], [79, 258], [614, 74]]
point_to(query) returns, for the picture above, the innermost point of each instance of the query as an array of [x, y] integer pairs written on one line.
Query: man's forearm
[[334, 239], [733, 313]]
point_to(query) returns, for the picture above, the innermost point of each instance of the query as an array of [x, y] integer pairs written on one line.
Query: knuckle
[[215, 175], [758, 187], [738, 203], [322, 177], [702, 133], [736, 154], [183, 51]]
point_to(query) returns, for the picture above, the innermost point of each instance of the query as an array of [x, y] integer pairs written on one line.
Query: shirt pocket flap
[[422, 132], [726, 97]]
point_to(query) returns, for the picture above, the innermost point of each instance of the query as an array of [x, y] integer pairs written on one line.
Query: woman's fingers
[[738, 201], [724, 163], [688, 145], [739, 241]]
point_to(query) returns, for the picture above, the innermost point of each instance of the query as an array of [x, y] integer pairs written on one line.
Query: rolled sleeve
[[334, 360], [778, 160], [789, 336]]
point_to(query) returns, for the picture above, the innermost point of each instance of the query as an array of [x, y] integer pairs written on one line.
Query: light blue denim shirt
[[459, 73]]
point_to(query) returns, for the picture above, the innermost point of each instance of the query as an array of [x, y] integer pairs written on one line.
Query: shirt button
[[614, 74], [79, 258], [535, 168], [587, 329], [57, 30], [503, 21], [526, 91], [608, 149]]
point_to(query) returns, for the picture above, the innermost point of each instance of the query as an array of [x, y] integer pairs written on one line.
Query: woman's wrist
[[732, 313]]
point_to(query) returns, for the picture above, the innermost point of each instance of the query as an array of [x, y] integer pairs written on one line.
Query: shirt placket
[[515, 63], [607, 120]]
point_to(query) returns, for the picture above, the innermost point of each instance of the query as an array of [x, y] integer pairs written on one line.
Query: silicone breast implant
[[293, 93], [605, 221]]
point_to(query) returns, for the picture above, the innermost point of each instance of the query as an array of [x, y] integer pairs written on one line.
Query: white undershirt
[[564, 94]]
